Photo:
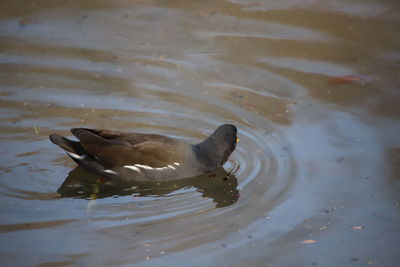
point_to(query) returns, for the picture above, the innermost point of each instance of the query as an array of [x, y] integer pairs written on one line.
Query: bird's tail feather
[[67, 145], [75, 150]]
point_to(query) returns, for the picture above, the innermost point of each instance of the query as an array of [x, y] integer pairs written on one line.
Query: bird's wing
[[132, 138], [116, 149]]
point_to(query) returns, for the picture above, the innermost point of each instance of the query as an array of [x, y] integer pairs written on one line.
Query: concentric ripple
[[196, 210], [202, 209]]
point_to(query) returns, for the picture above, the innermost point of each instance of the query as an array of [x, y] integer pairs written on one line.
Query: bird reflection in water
[[220, 186]]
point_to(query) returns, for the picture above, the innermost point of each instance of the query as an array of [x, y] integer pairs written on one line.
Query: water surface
[[312, 87]]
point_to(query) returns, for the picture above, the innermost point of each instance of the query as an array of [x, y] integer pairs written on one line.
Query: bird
[[147, 157]]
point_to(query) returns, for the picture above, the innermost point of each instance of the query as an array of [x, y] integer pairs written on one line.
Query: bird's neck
[[207, 154]]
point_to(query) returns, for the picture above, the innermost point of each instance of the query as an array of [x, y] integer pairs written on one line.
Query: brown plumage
[[147, 157]]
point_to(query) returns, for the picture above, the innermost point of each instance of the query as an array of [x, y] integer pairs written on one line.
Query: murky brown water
[[313, 88]]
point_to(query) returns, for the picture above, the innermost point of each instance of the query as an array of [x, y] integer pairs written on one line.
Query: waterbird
[[147, 157]]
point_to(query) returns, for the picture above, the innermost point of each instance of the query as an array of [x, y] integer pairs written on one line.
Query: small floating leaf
[[358, 227]]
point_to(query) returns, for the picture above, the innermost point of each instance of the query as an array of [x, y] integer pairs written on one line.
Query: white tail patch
[[110, 171], [75, 156]]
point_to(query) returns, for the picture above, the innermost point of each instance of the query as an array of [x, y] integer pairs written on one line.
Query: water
[[312, 87]]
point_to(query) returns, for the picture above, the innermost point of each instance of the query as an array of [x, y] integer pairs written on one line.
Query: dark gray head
[[214, 151]]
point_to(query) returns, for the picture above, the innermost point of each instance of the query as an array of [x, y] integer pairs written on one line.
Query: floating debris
[[36, 130], [329, 210], [358, 227], [308, 241]]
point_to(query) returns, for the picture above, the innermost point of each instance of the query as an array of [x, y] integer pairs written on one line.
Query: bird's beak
[[237, 139]]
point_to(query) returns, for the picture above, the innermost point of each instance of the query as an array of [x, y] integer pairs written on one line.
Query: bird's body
[[147, 157]]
